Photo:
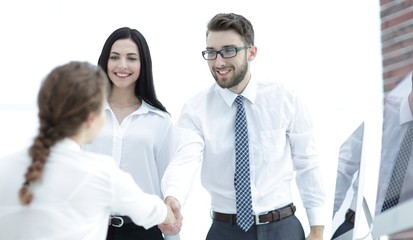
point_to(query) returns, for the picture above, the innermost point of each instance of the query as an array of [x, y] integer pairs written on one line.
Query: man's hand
[[316, 233], [172, 229]]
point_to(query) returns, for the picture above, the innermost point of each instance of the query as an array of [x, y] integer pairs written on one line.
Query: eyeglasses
[[225, 53]]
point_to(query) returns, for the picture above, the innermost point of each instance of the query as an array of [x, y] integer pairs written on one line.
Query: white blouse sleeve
[[144, 209]]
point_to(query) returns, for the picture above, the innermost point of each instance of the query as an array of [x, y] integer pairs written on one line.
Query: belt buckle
[[257, 218], [116, 225]]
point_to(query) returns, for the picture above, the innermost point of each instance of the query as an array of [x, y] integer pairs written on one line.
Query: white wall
[[329, 50]]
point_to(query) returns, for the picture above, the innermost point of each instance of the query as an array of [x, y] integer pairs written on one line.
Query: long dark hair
[[145, 88], [67, 96]]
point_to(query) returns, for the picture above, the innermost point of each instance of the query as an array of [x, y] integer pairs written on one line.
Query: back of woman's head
[[66, 97], [145, 88]]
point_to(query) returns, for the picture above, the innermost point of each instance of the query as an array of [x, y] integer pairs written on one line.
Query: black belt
[[119, 221], [350, 215], [263, 218]]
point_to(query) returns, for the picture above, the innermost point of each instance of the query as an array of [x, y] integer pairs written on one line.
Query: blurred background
[[330, 51]]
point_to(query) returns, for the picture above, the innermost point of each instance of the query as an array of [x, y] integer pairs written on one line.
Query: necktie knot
[[239, 100]]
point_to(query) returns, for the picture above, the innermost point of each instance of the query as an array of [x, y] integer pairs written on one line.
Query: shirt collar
[[405, 111], [67, 143], [249, 93], [144, 108]]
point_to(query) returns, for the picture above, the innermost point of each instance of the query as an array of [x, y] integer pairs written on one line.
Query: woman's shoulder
[[15, 158], [147, 108], [98, 158], [82, 159]]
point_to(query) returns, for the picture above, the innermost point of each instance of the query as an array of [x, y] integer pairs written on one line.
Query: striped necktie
[[242, 172]]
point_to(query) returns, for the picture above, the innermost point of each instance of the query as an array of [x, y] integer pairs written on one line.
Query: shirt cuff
[[316, 216], [174, 192]]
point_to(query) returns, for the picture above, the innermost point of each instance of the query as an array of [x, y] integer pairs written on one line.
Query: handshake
[[173, 221]]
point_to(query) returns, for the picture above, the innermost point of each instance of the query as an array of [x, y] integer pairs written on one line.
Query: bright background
[[329, 50]]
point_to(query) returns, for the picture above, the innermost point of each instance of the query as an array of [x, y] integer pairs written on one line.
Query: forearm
[[316, 233]]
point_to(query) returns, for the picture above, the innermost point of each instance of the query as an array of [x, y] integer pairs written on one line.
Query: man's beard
[[237, 77]]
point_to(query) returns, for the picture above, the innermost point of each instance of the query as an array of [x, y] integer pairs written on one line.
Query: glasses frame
[[237, 49]]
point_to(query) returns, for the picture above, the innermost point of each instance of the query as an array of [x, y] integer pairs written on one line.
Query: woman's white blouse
[[74, 197], [141, 145]]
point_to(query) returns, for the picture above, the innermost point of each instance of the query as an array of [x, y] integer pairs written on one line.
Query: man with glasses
[[251, 138]]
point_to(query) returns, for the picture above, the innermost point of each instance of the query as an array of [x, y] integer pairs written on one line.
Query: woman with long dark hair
[[138, 131]]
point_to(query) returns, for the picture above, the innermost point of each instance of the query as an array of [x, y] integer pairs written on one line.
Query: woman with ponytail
[[54, 190]]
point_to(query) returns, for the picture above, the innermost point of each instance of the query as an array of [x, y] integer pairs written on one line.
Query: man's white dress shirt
[[348, 169], [281, 141], [397, 114]]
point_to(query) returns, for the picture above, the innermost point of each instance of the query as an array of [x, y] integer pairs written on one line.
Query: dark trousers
[[346, 226], [131, 231], [343, 228], [288, 228]]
